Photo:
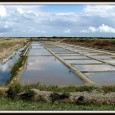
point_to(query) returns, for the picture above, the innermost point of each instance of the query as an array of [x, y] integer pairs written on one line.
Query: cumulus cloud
[[32, 20], [103, 29], [92, 29], [2, 11], [106, 29], [100, 10], [19, 10]]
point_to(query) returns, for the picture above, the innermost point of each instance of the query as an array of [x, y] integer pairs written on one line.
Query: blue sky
[[73, 20], [63, 8]]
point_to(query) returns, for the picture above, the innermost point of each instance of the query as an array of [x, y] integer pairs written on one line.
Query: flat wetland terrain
[[57, 74]]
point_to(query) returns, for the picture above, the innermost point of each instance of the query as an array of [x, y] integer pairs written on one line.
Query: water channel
[[6, 67], [44, 68]]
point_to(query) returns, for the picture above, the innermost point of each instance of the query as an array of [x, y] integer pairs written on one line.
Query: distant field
[[101, 43], [107, 44]]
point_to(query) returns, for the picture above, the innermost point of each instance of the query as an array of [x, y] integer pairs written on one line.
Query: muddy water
[[45, 69], [6, 67]]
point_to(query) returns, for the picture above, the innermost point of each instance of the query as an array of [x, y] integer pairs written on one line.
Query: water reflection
[[48, 71], [39, 52], [6, 67], [94, 67], [75, 57], [102, 78], [83, 61], [102, 57]]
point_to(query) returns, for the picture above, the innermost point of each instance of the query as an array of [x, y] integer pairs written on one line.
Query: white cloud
[[67, 30], [32, 20], [2, 11], [20, 10], [106, 29], [100, 10], [92, 29], [103, 29]]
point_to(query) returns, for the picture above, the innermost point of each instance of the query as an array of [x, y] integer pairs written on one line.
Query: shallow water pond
[[102, 77], [83, 61], [95, 67], [39, 52], [102, 57], [110, 61], [80, 57], [59, 50], [68, 55], [48, 71], [37, 46]]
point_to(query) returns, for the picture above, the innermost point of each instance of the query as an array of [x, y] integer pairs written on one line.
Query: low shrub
[[85, 88], [28, 94], [107, 89], [13, 90], [64, 95], [54, 97], [57, 96], [80, 100], [3, 93], [16, 67], [17, 91], [66, 89], [40, 98]]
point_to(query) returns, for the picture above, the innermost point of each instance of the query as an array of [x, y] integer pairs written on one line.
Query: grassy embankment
[[8, 46], [18, 67], [11, 104], [19, 97]]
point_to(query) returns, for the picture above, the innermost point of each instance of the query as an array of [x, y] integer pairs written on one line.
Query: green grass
[[10, 104], [16, 67], [82, 88], [65, 88]]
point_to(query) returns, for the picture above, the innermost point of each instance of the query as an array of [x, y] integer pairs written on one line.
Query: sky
[[69, 20]]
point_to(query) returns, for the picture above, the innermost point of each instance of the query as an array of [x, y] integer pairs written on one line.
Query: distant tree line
[[57, 37]]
